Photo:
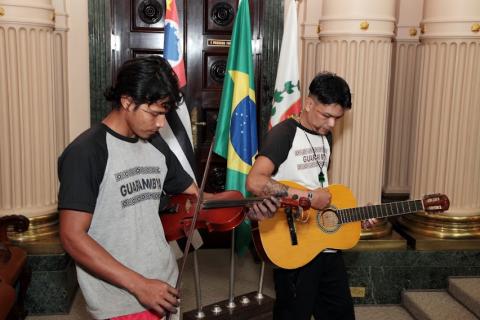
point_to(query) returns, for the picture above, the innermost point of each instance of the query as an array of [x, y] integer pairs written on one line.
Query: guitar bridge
[[301, 215]]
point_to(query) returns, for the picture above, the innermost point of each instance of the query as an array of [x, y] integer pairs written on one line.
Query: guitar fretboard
[[379, 211]]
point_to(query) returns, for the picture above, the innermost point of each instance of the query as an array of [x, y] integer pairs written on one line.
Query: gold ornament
[[364, 25], [476, 27]]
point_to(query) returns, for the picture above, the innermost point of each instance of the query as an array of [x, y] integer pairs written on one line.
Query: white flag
[[177, 131], [286, 98]]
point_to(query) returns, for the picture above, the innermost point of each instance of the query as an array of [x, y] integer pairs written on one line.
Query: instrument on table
[[291, 240]]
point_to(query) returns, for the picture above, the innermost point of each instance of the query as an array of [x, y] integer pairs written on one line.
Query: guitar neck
[[379, 211]]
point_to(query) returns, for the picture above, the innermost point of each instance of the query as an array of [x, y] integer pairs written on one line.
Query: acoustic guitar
[[292, 238]]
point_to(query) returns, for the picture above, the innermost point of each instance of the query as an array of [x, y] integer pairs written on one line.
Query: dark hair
[[329, 88], [145, 80]]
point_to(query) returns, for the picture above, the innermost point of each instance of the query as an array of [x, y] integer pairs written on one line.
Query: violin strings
[[211, 204]]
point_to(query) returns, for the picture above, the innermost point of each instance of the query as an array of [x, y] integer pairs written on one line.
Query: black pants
[[319, 288]]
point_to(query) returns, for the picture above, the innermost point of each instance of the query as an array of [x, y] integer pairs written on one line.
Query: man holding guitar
[[298, 150], [111, 180]]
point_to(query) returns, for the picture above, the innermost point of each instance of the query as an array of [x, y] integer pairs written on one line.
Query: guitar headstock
[[436, 203]]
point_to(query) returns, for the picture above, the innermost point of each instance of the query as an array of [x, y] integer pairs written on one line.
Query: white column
[[309, 13], [447, 147], [60, 74], [400, 138], [355, 42], [28, 138], [446, 156], [78, 75]]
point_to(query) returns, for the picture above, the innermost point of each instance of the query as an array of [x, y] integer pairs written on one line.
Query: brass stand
[[442, 226], [42, 236], [247, 307], [440, 232]]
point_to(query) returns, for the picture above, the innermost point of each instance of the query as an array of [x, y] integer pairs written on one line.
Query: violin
[[177, 217], [223, 211]]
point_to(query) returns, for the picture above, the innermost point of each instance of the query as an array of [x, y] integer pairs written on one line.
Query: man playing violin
[[111, 180], [298, 150]]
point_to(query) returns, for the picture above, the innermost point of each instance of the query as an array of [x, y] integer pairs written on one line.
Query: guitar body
[[319, 232]]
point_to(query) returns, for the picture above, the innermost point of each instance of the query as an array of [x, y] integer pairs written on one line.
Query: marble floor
[[214, 267]]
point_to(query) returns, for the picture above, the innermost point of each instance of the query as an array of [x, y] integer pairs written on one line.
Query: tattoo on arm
[[273, 188]]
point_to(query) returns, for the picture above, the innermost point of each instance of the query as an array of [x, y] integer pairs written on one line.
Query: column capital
[[61, 16], [365, 18], [409, 14], [21, 12], [450, 19]]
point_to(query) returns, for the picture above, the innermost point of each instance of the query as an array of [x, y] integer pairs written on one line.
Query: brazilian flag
[[236, 132]]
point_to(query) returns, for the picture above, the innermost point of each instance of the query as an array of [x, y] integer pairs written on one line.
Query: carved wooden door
[[209, 29], [138, 28], [206, 26]]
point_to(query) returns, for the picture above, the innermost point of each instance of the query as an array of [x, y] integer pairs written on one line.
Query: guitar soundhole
[[328, 221]]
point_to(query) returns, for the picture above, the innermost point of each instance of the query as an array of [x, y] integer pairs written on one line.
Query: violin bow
[[194, 220]]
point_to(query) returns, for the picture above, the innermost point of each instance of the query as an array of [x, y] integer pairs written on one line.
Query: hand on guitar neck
[[369, 223], [264, 209]]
